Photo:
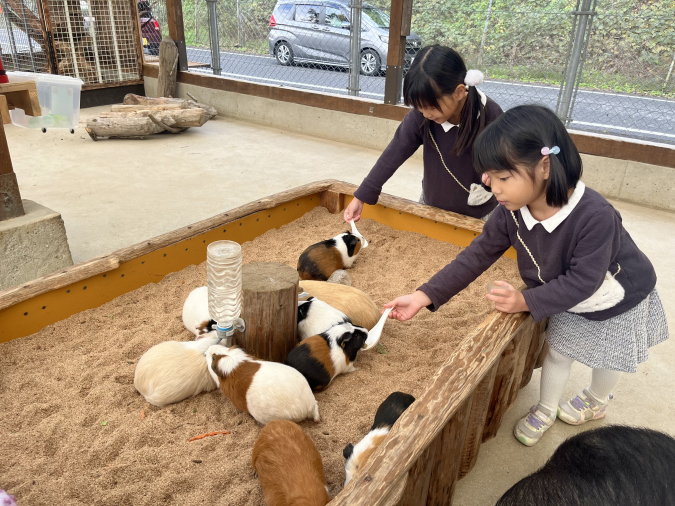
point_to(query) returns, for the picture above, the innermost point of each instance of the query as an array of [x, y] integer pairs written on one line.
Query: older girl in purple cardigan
[[582, 269]]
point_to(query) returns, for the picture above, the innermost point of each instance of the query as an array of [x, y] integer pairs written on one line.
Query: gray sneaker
[[529, 430], [581, 409]]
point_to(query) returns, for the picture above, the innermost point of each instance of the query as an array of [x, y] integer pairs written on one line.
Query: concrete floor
[[115, 193]]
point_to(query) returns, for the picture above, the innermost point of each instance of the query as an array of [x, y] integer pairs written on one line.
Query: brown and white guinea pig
[[196, 316], [357, 305], [389, 411], [322, 357], [174, 370], [315, 317], [322, 259], [289, 466], [266, 390]]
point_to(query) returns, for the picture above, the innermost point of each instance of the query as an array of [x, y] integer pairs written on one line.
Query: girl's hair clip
[[550, 151]]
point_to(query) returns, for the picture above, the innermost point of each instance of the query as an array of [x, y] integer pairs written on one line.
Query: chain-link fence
[[620, 80], [23, 45]]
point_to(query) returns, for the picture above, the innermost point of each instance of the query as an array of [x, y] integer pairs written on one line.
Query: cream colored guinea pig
[[196, 316], [289, 466], [174, 370], [357, 305]]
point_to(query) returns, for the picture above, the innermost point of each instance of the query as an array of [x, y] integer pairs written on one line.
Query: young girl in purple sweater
[[582, 269]]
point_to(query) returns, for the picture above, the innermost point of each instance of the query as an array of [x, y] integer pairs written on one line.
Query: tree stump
[[168, 66], [270, 310]]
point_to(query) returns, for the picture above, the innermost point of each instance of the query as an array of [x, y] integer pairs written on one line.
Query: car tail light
[[273, 22], [156, 24]]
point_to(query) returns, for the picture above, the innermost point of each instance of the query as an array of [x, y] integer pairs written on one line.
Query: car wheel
[[370, 63], [284, 53]]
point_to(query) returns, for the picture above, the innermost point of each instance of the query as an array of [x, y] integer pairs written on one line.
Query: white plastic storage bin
[[59, 98]]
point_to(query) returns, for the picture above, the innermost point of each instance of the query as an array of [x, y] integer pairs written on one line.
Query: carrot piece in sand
[[210, 434]]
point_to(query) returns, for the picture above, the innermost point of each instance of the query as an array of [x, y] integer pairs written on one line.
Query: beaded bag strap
[[443, 162]]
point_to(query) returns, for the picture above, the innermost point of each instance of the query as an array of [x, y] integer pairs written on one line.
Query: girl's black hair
[[437, 71], [516, 138]]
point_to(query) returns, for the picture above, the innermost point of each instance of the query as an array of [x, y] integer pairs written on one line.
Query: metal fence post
[[355, 48], [580, 40], [482, 41], [213, 34]]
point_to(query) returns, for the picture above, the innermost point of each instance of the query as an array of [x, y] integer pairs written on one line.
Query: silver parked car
[[306, 31]]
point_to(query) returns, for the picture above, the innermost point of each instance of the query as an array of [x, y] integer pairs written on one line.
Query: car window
[[335, 17], [283, 11], [307, 13]]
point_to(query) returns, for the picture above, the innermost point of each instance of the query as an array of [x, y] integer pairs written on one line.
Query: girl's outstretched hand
[[507, 299], [407, 306], [353, 211]]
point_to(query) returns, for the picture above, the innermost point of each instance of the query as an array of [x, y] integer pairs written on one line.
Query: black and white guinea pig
[[266, 390], [389, 411], [196, 316], [174, 370], [315, 316], [322, 357], [322, 259]]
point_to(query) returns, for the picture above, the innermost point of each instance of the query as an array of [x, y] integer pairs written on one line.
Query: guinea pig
[[357, 305], [7, 499], [322, 357], [608, 466], [389, 411], [322, 259], [266, 390], [174, 370], [289, 466], [196, 316], [315, 317]]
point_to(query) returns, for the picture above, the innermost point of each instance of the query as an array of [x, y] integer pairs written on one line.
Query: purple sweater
[[573, 259], [440, 189]]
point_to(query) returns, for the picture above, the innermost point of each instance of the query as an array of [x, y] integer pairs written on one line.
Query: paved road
[[632, 116]]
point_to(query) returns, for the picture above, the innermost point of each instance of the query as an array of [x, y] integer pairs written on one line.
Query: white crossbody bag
[[608, 295]]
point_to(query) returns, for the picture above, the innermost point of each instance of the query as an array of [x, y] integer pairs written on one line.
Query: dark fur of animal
[[610, 466], [320, 260], [387, 413], [322, 357]]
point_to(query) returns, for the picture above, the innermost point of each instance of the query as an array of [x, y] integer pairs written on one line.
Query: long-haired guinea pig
[[357, 305], [289, 466], [322, 357], [266, 390], [196, 316], [315, 317], [389, 411], [322, 259], [174, 370]]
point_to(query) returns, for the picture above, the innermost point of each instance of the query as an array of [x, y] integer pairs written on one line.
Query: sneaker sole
[[524, 439], [571, 421]]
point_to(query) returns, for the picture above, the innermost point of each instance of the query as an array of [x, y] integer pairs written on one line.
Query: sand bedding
[[74, 430]]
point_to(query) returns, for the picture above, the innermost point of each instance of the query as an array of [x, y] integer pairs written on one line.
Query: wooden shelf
[[22, 95]]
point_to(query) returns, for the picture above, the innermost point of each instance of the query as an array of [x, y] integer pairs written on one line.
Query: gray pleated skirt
[[619, 344]]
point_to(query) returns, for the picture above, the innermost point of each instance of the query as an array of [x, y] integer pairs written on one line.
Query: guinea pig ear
[[348, 450], [214, 364]]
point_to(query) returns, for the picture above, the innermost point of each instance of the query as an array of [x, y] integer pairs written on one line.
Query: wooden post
[[524, 337], [333, 201], [537, 342], [419, 475], [174, 15], [168, 62], [477, 417], [399, 28], [10, 198], [270, 310]]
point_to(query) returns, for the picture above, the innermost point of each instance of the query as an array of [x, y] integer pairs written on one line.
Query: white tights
[[554, 375]]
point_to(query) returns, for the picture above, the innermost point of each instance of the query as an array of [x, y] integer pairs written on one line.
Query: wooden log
[[132, 99], [474, 432], [168, 66], [270, 310], [502, 389], [542, 355], [537, 342], [146, 107], [180, 117], [143, 123], [121, 127], [333, 201], [419, 476], [447, 458]]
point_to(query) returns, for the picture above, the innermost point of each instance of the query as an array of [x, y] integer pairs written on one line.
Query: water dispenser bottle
[[223, 272]]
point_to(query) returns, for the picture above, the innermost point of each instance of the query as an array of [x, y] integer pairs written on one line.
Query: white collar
[[550, 224], [447, 126]]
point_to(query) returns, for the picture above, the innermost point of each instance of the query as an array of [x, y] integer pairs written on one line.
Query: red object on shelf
[[3, 74]]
